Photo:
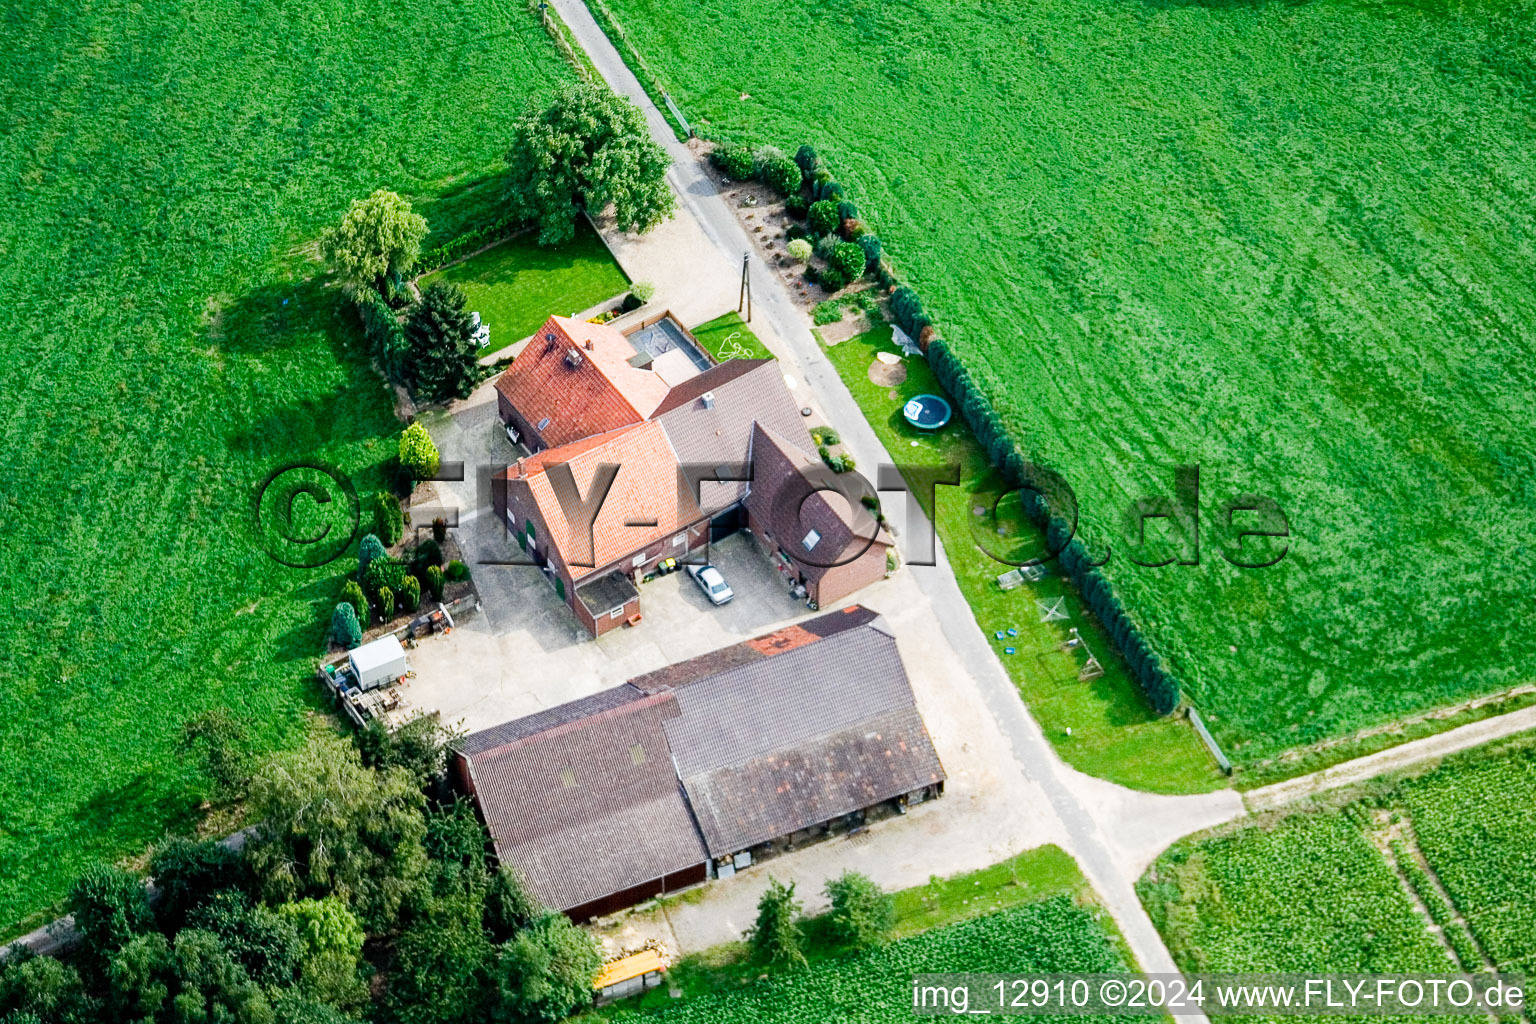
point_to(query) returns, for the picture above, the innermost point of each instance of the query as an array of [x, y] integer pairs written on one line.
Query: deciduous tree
[[775, 937], [379, 236]]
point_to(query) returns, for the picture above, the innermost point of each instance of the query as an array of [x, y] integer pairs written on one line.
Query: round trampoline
[[927, 412]]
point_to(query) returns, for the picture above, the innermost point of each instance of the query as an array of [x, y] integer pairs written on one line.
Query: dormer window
[[810, 540]]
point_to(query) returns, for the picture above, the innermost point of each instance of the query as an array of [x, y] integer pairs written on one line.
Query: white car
[[712, 583]]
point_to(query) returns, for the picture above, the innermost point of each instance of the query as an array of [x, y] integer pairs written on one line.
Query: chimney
[[709, 399], [589, 344], [573, 358]]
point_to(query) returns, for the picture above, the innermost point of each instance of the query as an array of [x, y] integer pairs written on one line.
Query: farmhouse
[[696, 769], [670, 456]]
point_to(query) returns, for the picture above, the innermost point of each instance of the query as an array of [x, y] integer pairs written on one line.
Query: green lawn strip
[[1115, 735], [170, 347], [515, 285], [1156, 235], [1030, 879], [729, 337]]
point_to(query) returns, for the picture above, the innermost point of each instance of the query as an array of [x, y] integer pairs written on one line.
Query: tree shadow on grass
[[114, 819]]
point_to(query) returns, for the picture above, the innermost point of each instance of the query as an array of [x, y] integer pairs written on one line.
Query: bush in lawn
[[828, 435], [783, 176], [434, 576], [821, 218], [439, 529], [222, 743], [410, 593], [352, 593], [589, 148], [345, 629], [457, 571], [861, 913], [796, 206], [387, 525], [733, 159], [775, 938], [907, 309], [871, 246], [846, 210], [386, 604], [418, 454], [807, 159], [848, 258], [378, 238], [110, 907], [442, 359], [368, 549], [799, 250]]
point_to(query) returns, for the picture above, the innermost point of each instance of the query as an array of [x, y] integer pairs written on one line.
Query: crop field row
[[876, 986], [163, 169], [1286, 243], [1357, 887]]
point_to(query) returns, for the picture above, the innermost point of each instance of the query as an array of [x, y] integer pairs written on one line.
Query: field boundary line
[[1414, 752]]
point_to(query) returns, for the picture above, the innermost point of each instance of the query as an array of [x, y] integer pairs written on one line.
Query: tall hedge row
[[1098, 592]]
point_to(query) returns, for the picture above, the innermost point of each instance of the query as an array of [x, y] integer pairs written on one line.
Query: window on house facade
[[680, 540], [638, 560]]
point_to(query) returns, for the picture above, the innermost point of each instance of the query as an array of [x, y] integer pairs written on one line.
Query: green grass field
[[516, 285], [1286, 242], [1335, 888], [729, 337], [1114, 734], [164, 169]]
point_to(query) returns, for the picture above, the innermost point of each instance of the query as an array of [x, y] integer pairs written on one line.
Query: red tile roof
[[594, 391], [643, 505]]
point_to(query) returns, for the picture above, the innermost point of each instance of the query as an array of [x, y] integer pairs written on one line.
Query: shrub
[[775, 938], [419, 747], [418, 453], [383, 572], [764, 155], [796, 206], [439, 529], [734, 160], [410, 593], [799, 250], [821, 218], [783, 176], [345, 629], [846, 210], [848, 464], [824, 246], [907, 309], [428, 552], [829, 312], [833, 279], [807, 160], [368, 549], [385, 338], [853, 229], [457, 571], [434, 576], [332, 943], [643, 291], [110, 908], [545, 972], [353, 594], [871, 246], [828, 435], [825, 453], [470, 241], [796, 231], [849, 259], [386, 604], [386, 518], [509, 906], [861, 913], [222, 743]]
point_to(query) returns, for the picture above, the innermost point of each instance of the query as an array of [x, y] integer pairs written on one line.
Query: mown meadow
[[164, 170], [1287, 243], [1353, 884]]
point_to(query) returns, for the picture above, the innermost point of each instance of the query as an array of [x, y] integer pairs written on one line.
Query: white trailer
[[378, 663]]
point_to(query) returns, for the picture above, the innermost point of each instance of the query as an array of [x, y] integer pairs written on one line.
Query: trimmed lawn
[[729, 337], [1115, 735], [164, 171], [515, 285]]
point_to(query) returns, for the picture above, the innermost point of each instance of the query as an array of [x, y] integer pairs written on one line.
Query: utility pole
[[745, 295]]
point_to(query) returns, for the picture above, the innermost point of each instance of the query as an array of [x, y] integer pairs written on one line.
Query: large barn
[[695, 769]]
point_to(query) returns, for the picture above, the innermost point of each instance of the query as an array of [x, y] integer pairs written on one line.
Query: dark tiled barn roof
[[585, 802]]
